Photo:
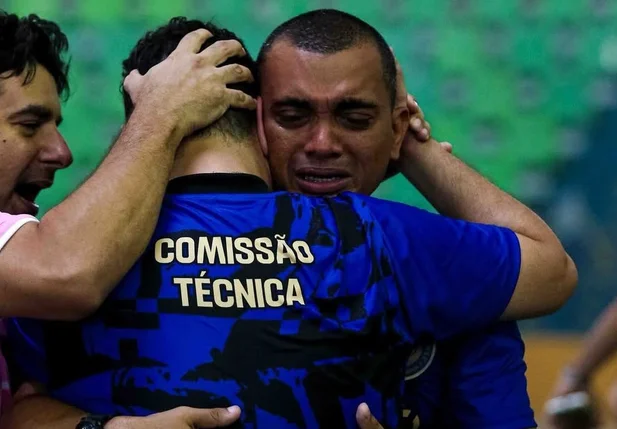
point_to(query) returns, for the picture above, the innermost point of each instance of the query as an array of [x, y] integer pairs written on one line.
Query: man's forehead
[[40, 91], [289, 72]]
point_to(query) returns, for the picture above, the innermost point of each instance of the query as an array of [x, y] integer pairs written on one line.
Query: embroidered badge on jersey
[[420, 360]]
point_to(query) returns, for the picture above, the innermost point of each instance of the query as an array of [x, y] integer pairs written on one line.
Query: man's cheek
[[277, 136], [279, 165]]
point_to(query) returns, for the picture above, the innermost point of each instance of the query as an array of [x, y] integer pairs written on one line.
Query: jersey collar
[[217, 183]]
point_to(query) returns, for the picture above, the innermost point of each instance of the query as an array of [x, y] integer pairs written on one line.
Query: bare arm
[[547, 276], [35, 410], [599, 346], [64, 267], [39, 411]]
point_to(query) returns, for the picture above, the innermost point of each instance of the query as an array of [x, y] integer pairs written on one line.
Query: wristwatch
[[93, 421]]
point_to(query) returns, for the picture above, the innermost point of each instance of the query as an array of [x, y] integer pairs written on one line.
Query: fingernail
[[416, 123], [233, 408]]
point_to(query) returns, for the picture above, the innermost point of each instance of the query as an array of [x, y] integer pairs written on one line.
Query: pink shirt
[[9, 225]]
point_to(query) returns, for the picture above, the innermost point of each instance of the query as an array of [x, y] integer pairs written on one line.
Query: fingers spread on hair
[[235, 73], [241, 100], [193, 41], [222, 50]]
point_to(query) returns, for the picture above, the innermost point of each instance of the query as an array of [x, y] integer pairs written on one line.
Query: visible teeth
[[319, 179]]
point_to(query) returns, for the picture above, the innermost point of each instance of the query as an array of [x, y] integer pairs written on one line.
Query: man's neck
[[214, 155]]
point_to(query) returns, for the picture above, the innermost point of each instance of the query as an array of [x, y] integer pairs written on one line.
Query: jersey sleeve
[[486, 383], [452, 276], [10, 224]]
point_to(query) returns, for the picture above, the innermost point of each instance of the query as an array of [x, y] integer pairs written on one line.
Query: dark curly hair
[[156, 45], [28, 41]]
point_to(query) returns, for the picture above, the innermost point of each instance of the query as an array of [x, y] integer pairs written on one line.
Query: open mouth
[[28, 193], [322, 181]]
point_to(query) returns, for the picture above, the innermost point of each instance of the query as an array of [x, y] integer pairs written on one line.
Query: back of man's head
[[157, 45], [328, 31], [30, 41]]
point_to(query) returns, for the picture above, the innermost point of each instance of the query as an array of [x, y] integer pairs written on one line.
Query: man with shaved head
[[332, 123]]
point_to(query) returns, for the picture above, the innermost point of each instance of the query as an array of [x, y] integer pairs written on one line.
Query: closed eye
[[357, 121], [292, 118], [30, 127]]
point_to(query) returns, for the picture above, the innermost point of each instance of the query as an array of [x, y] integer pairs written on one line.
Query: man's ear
[[260, 126], [400, 125]]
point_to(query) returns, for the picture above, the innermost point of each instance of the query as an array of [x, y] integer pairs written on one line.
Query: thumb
[[133, 83], [365, 419], [24, 391], [446, 146], [213, 418]]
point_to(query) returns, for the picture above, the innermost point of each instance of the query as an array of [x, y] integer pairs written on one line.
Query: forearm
[[547, 275], [82, 247], [457, 191], [38, 411], [600, 344]]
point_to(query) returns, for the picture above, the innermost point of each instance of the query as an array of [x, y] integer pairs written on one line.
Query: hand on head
[[419, 128], [188, 86], [418, 125]]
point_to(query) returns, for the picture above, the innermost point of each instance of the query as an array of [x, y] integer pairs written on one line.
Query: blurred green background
[[524, 89]]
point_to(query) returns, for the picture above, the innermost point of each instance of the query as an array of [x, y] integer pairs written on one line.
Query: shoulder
[[10, 224]]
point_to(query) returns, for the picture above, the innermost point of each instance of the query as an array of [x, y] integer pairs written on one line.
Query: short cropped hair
[[157, 45], [30, 41], [328, 31]]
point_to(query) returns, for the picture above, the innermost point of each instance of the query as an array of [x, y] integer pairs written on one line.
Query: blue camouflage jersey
[[295, 308], [475, 380]]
